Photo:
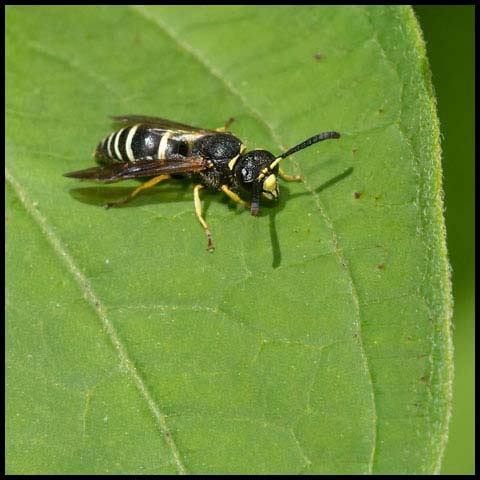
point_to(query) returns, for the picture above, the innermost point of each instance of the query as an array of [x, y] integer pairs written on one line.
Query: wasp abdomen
[[136, 142]]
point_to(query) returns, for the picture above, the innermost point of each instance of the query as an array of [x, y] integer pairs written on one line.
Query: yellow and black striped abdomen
[[140, 142]]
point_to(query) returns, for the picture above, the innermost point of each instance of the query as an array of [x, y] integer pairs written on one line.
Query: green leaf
[[315, 339]]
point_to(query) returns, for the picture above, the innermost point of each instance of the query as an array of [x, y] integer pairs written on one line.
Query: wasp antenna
[[310, 141]]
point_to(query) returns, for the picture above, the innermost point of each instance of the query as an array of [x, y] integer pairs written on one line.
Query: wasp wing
[[161, 123], [141, 168]]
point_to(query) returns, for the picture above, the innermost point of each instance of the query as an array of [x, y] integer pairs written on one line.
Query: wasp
[[214, 159]]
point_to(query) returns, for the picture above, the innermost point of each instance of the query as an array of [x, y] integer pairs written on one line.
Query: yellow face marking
[[269, 168], [263, 173], [269, 187], [275, 163], [270, 183]]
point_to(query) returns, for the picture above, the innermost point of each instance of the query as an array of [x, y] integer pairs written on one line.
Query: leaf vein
[[338, 251], [100, 310], [343, 262], [37, 47]]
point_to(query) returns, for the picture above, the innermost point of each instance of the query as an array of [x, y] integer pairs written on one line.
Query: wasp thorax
[[220, 146]]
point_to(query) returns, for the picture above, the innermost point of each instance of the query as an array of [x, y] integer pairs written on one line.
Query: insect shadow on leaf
[[286, 196]]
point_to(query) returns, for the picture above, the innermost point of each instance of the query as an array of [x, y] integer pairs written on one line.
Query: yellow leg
[[234, 196], [198, 211], [149, 183], [225, 127], [287, 177]]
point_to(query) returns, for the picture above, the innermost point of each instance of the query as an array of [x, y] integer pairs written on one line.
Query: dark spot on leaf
[[409, 338], [424, 379], [356, 195], [354, 151], [319, 56], [381, 110], [381, 266]]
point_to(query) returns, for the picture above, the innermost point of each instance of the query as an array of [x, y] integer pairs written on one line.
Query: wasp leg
[[225, 127], [198, 211], [234, 196], [289, 178], [149, 183]]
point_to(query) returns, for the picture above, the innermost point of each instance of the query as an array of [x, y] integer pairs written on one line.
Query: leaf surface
[[316, 338]]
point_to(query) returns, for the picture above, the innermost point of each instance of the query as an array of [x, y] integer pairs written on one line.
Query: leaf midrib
[[188, 49], [100, 310]]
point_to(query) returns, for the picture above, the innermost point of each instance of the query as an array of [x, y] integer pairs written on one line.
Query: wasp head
[[255, 175], [256, 172]]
